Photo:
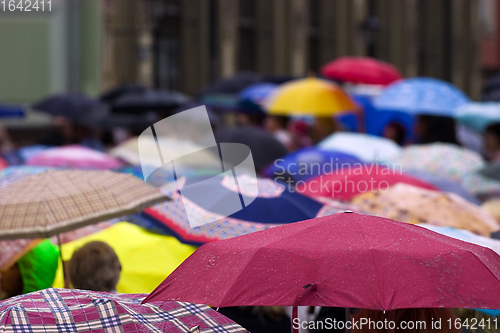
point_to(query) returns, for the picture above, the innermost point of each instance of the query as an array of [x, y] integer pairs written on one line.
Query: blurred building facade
[[89, 46], [192, 42]]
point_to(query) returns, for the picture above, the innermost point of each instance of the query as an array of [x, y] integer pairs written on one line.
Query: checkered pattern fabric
[[65, 311], [51, 202]]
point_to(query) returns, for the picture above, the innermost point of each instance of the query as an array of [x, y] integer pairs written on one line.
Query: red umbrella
[[342, 260], [361, 70], [349, 182]]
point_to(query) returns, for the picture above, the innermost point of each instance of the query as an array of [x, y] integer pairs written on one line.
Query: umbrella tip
[[348, 211], [195, 329]]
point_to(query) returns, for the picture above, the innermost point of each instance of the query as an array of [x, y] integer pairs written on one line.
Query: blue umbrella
[[308, 163], [274, 204], [421, 96], [251, 98], [478, 116]]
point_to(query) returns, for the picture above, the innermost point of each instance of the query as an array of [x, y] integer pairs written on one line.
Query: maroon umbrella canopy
[[342, 260]]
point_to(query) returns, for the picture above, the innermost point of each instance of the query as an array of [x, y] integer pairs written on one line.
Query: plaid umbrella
[[52, 202], [410, 204], [63, 310], [460, 164]]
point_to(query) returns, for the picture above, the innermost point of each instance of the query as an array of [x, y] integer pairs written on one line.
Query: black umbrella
[[113, 94], [77, 108], [224, 93], [264, 147], [139, 101]]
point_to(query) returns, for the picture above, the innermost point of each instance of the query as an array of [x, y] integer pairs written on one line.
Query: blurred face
[[491, 144], [419, 127], [271, 124], [63, 125], [390, 133]]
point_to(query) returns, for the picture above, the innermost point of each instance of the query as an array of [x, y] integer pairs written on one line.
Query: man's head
[[95, 266]]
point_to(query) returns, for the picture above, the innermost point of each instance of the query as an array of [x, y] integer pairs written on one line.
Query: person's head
[[36, 270], [275, 123], [431, 129], [95, 266], [395, 132], [323, 127], [420, 315], [492, 140]]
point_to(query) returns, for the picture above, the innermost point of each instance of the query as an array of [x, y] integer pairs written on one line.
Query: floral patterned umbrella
[[450, 162]]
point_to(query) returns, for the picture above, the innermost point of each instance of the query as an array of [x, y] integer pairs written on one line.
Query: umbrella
[[71, 106], [224, 93], [75, 107], [465, 235], [361, 70], [134, 246], [311, 97], [142, 100], [64, 310], [264, 147], [171, 148], [410, 204], [307, 163], [74, 156], [460, 165], [275, 204], [3, 164], [351, 181], [369, 148], [252, 98], [478, 116], [13, 173], [421, 96], [51, 202], [113, 94], [343, 260], [443, 184]]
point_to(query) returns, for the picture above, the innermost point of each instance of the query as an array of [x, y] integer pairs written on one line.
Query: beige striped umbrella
[[406, 203], [52, 202]]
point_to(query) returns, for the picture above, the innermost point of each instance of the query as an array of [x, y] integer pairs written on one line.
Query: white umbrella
[[366, 147]]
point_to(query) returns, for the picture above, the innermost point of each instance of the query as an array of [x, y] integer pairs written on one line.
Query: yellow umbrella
[[310, 96], [146, 258]]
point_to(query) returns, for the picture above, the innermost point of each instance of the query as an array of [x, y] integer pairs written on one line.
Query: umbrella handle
[[295, 311], [65, 278]]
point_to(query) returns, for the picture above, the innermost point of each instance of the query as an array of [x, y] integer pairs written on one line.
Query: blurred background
[[90, 46]]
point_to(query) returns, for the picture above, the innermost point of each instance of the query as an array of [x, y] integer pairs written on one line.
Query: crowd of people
[[96, 266]]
